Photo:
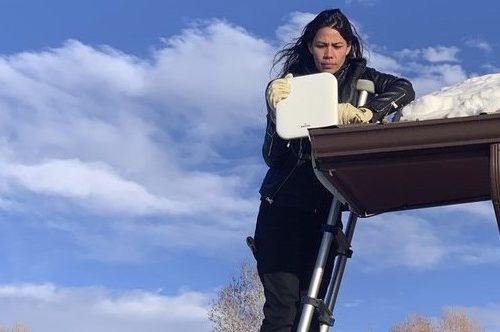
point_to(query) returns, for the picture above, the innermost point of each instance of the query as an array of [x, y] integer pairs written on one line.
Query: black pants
[[287, 241]]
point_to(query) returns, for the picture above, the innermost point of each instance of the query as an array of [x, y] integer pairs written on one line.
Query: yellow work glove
[[350, 114], [278, 90]]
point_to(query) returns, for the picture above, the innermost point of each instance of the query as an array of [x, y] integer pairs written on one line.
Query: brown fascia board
[[407, 165]]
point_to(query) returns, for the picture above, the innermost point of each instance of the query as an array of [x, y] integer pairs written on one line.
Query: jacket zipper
[[270, 199]]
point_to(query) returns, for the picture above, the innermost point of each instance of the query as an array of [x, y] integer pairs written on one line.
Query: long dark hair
[[296, 56]]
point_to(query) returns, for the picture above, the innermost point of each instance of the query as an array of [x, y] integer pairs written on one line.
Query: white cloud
[[104, 133], [215, 76], [5, 204], [47, 307], [431, 68], [477, 254], [480, 210], [100, 188], [94, 183], [34, 292], [397, 240], [434, 77], [294, 26], [434, 239], [479, 44], [384, 63], [135, 241], [491, 68], [431, 54], [440, 54]]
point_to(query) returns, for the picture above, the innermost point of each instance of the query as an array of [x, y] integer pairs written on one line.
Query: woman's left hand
[[348, 114]]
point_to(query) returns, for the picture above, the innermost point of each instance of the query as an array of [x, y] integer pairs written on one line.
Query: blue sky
[[130, 137]]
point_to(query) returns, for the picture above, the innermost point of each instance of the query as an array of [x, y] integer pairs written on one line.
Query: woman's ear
[[348, 49], [309, 47]]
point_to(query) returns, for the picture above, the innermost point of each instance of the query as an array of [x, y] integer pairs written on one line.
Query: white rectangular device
[[312, 103]]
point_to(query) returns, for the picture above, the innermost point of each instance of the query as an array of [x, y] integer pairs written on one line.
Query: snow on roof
[[471, 97]]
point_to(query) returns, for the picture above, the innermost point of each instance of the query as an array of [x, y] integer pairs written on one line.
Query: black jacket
[[290, 180]]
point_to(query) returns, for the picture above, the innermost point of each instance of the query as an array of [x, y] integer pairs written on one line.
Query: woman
[[293, 202]]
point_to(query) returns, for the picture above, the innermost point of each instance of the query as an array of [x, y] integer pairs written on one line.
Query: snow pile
[[472, 97]]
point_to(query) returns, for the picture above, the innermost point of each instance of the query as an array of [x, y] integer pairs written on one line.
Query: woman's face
[[329, 50]]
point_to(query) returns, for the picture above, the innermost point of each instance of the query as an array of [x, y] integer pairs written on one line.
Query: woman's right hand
[[278, 90]]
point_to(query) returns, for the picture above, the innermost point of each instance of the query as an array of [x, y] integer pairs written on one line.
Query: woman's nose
[[328, 52]]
